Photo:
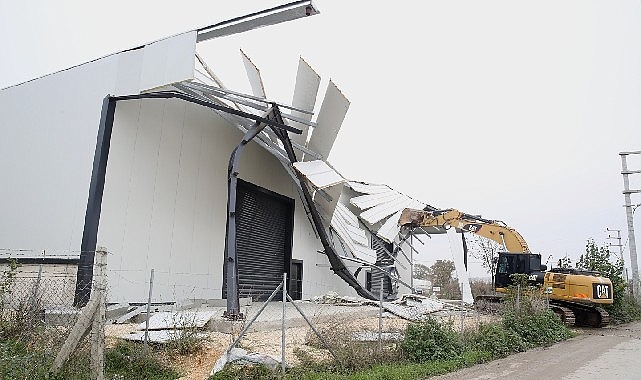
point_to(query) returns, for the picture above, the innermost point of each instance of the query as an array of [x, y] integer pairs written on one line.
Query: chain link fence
[[37, 311]]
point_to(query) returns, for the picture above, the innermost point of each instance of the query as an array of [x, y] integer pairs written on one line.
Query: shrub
[[497, 340], [352, 354], [537, 329], [429, 340]]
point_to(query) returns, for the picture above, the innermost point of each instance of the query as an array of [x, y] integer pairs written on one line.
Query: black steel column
[[231, 267], [94, 204]]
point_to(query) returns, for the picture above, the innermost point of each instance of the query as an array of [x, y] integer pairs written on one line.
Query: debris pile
[[412, 307]]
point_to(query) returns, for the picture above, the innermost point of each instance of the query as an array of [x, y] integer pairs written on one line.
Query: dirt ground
[[197, 366]]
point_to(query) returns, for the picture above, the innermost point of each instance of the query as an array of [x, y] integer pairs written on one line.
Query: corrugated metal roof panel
[[370, 200], [378, 213], [326, 199], [347, 215], [319, 173], [352, 236], [390, 228], [367, 188]]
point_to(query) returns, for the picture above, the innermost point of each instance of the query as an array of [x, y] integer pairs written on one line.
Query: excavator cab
[[522, 263]]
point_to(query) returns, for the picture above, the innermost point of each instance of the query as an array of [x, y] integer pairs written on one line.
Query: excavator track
[[586, 315], [565, 313]]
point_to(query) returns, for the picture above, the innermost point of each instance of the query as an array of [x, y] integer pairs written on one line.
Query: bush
[[497, 340], [429, 340], [537, 329], [625, 309]]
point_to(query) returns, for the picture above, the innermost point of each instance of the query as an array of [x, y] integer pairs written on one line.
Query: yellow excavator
[[575, 295]]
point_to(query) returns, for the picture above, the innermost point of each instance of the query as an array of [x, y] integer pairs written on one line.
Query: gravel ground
[[197, 366]]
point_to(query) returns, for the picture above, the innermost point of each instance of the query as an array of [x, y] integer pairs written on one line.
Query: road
[[607, 353]]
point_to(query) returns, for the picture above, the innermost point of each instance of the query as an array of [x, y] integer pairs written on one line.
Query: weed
[[127, 361]]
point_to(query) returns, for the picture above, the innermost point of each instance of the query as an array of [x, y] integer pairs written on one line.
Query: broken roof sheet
[[380, 202], [346, 226], [319, 173]]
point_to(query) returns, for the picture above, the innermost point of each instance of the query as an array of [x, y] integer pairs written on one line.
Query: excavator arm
[[489, 229]]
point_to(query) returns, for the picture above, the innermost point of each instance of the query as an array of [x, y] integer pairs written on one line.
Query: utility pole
[[629, 210], [618, 238]]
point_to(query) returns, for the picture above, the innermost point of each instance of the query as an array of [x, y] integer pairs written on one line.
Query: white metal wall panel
[[129, 72], [48, 130], [305, 93], [165, 198], [253, 74], [329, 120], [169, 60], [456, 247]]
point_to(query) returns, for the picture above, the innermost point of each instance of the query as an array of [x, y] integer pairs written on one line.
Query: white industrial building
[[131, 152]]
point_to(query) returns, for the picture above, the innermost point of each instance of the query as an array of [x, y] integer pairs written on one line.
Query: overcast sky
[[510, 109]]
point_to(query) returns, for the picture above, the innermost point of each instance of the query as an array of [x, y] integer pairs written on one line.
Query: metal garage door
[[383, 260], [265, 221]]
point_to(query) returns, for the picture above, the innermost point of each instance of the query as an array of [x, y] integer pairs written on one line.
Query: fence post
[[380, 319], [151, 287], [282, 363], [97, 361]]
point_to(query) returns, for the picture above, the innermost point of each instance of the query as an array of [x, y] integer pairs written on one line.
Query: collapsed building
[[146, 153]]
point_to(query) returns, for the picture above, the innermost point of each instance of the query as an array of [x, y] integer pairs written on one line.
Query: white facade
[[165, 189], [164, 170]]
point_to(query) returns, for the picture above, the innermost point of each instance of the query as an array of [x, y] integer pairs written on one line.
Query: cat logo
[[601, 291]]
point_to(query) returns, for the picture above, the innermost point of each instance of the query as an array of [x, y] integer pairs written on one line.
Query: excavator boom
[[489, 229]]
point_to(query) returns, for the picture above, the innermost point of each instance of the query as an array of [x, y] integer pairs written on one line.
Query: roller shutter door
[[383, 260], [265, 221]]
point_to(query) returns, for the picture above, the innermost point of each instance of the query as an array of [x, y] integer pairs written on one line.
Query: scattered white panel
[[367, 188], [253, 74], [159, 336], [305, 92], [390, 228], [366, 201], [329, 120], [178, 320], [167, 61], [319, 173], [456, 247]]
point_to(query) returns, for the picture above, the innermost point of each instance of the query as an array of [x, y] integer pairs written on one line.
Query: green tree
[[421, 272], [440, 274], [623, 308]]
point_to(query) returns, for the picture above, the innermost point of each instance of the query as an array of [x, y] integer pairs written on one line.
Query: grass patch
[[127, 360]]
